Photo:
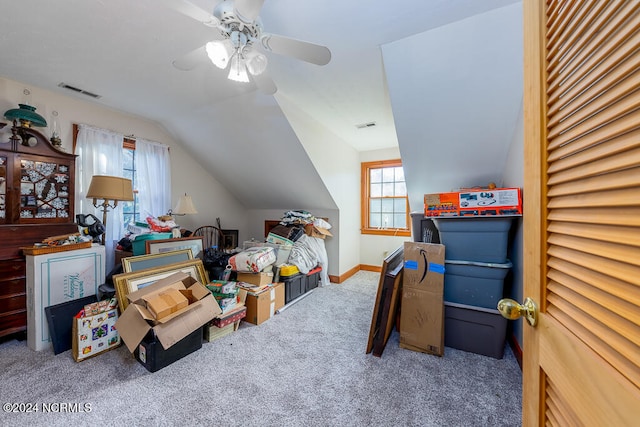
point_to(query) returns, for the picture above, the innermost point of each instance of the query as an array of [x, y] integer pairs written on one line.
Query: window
[[384, 201], [130, 210]]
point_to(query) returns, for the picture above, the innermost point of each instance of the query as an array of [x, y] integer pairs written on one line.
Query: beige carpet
[[306, 366]]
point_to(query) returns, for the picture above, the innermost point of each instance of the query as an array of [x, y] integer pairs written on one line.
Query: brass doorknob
[[513, 310]]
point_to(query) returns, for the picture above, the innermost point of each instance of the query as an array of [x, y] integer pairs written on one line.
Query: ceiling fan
[[242, 41]]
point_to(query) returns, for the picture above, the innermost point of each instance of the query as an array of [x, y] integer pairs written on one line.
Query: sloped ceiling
[[456, 104], [123, 50]]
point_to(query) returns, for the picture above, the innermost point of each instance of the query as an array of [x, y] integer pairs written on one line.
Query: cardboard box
[[423, 266], [422, 303], [422, 321], [213, 332], [314, 231], [232, 316], [166, 302], [262, 306], [221, 286], [136, 321], [472, 202], [255, 278]]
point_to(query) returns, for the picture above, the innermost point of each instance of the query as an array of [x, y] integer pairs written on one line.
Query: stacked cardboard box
[[225, 323], [262, 305], [422, 306]]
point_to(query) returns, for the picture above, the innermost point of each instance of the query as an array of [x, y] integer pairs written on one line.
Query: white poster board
[[56, 278]]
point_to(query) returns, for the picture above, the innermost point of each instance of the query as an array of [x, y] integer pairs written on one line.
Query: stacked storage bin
[[476, 265]]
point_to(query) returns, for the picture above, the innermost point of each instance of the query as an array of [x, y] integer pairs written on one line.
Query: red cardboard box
[[228, 318], [472, 202]]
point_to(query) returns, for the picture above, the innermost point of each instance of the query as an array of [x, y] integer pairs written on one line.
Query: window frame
[[365, 187], [130, 144]]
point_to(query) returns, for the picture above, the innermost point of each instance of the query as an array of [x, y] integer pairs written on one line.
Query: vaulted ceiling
[[387, 58]]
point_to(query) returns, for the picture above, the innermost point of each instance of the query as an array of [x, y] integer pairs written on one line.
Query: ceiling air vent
[[366, 125], [77, 90]]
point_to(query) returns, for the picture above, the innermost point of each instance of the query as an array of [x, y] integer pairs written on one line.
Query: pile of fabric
[[308, 250]]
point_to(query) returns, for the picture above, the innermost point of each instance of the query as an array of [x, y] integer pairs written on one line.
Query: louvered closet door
[[582, 212]]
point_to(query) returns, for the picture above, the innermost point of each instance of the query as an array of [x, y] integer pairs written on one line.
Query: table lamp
[[111, 190], [184, 206]]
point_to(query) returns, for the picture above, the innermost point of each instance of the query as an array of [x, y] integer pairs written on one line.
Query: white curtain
[[153, 176], [99, 153]]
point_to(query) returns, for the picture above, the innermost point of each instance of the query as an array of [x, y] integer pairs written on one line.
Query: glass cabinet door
[[44, 189]]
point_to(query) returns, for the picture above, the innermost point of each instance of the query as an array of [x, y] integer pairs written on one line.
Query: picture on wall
[[229, 239]]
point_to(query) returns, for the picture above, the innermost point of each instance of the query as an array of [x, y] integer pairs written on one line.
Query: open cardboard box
[[134, 323], [315, 231]]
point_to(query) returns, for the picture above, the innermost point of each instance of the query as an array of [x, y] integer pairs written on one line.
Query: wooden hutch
[[37, 189]]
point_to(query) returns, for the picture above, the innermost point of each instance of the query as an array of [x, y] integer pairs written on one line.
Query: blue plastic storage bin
[[474, 329], [482, 239], [475, 283]]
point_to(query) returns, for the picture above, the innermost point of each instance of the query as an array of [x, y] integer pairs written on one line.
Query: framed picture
[[387, 299], [143, 262], [229, 239], [195, 243], [125, 283]]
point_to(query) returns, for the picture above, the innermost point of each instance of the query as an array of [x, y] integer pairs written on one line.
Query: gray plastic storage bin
[[312, 279], [482, 239], [475, 283], [474, 329], [294, 286]]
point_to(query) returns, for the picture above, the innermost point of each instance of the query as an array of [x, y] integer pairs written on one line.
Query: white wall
[[339, 167], [374, 248], [455, 92], [210, 198], [513, 176]]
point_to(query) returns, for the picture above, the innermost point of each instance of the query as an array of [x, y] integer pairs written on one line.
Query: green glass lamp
[[26, 115]]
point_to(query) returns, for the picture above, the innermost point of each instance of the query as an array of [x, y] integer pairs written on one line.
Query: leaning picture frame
[[195, 243], [229, 239], [126, 283], [143, 262]]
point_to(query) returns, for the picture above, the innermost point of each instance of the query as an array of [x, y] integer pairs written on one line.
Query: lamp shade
[[256, 62], [219, 52], [110, 188], [185, 206], [238, 69], [26, 115]]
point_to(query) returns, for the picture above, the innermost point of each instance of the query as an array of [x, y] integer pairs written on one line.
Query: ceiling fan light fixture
[[238, 70], [219, 52], [256, 62]]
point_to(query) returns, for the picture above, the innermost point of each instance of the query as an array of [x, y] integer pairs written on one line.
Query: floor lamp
[[111, 190]]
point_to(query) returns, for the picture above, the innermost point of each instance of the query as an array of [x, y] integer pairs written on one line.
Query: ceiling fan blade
[[189, 9], [265, 83], [309, 52], [192, 59], [248, 9]]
